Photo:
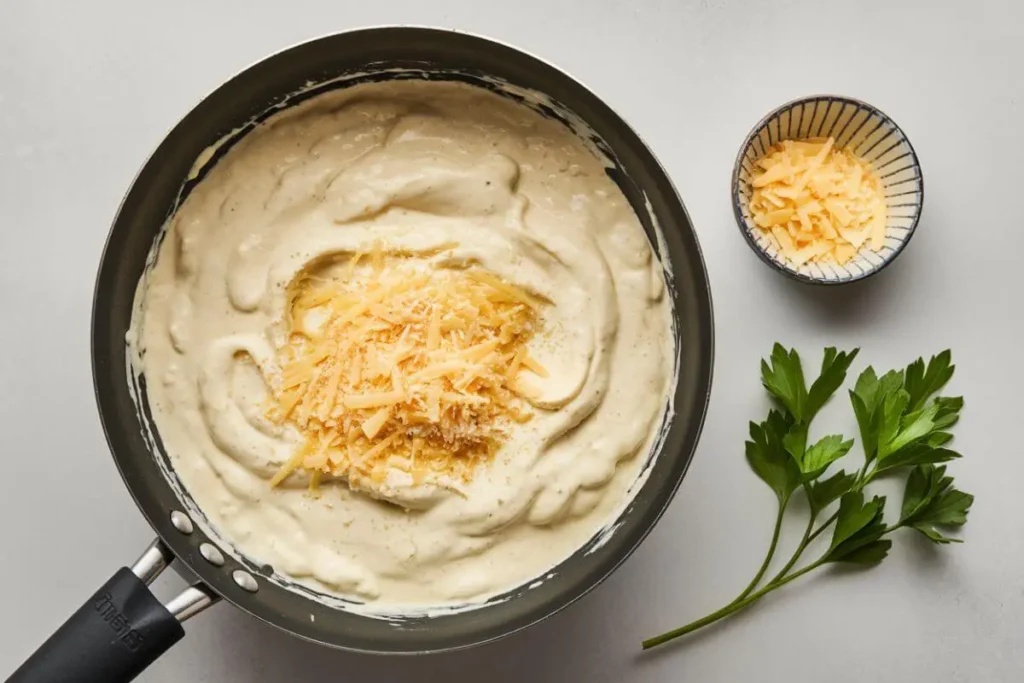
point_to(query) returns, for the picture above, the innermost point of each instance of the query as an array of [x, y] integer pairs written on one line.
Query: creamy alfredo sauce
[[415, 165]]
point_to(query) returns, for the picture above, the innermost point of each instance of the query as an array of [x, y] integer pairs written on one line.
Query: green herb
[[904, 428]]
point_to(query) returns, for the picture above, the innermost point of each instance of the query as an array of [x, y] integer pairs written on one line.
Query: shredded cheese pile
[[399, 368], [817, 203]]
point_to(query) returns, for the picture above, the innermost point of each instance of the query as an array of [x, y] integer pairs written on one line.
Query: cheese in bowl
[[817, 203], [407, 343]]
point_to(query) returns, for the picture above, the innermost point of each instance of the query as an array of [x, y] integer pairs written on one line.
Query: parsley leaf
[[948, 413], [826, 451], [872, 389], [908, 430], [796, 443], [768, 457], [892, 408], [833, 373], [869, 554], [900, 424], [822, 493], [784, 379], [868, 397], [930, 500], [922, 383], [916, 454], [859, 524]]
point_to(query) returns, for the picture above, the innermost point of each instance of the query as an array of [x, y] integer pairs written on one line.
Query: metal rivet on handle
[[245, 581], [211, 554], [181, 522]]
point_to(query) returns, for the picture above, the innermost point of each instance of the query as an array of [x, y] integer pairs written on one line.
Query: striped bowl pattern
[[872, 136]]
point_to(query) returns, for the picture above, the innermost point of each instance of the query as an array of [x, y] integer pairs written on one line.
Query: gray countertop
[[88, 89]]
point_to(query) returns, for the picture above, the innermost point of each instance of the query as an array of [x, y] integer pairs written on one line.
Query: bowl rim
[[737, 205]]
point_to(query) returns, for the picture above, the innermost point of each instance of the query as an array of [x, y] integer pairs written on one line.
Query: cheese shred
[[389, 367]]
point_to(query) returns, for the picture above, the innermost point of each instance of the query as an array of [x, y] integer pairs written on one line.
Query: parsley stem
[[827, 524], [804, 541], [863, 471], [862, 478], [768, 558], [729, 609]]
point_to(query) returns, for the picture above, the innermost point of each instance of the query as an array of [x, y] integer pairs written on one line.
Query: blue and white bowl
[[872, 136]]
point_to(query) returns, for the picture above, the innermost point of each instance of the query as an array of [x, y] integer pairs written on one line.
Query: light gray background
[[87, 89]]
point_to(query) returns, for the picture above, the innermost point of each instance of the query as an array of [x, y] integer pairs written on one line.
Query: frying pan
[[122, 628]]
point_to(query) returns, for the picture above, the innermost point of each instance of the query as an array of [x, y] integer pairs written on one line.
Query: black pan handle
[[119, 631]]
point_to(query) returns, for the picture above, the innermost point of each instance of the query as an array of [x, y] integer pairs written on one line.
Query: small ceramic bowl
[[872, 136]]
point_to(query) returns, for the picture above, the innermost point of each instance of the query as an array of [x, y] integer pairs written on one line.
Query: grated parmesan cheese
[[816, 203], [393, 367]]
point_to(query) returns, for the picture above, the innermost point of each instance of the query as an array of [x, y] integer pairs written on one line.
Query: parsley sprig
[[904, 429]]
